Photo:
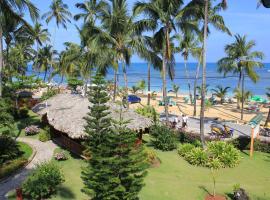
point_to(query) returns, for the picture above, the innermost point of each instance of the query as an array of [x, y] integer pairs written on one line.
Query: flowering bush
[[60, 156], [31, 130]]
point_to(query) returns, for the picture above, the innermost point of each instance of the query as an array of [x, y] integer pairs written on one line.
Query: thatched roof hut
[[66, 112]]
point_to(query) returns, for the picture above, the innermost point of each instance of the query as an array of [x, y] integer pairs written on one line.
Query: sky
[[242, 17]]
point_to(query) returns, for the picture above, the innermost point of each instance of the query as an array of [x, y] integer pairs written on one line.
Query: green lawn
[[26, 149], [33, 119], [175, 179]]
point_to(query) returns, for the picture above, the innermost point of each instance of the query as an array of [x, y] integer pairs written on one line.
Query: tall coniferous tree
[[116, 168]]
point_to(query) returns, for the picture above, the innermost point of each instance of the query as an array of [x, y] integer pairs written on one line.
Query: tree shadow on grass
[[65, 193], [203, 188]]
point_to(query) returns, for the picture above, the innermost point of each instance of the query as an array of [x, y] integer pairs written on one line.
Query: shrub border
[[16, 171]]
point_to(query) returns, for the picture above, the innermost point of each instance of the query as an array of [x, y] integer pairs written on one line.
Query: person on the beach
[[184, 121]]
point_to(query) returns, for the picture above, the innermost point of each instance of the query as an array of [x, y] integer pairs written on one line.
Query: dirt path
[[44, 152]]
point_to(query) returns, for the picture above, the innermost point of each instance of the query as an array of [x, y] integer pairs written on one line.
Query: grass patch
[[33, 119], [176, 179], [13, 165]]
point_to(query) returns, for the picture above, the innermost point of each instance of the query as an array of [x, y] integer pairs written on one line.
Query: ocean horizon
[[138, 71]]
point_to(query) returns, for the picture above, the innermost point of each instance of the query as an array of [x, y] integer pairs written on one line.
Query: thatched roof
[[66, 112]]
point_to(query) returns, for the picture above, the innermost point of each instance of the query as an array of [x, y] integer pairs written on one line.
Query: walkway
[[44, 152]]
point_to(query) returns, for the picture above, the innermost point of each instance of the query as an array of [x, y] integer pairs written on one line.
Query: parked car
[[134, 99]]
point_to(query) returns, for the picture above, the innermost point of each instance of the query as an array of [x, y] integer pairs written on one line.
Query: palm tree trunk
[[243, 92], [195, 86], [115, 84], [238, 87], [187, 75], [126, 82], [45, 75], [1, 59], [204, 74], [165, 86], [149, 84], [267, 119]]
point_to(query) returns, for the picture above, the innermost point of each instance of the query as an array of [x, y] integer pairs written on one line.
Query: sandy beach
[[226, 111]]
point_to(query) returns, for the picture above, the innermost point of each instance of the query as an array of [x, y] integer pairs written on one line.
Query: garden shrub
[[50, 93], [184, 149], [147, 111], [43, 181], [164, 138], [45, 135], [226, 155], [193, 138], [9, 149], [32, 130], [60, 156], [23, 113], [243, 143], [10, 167], [151, 156], [197, 156]]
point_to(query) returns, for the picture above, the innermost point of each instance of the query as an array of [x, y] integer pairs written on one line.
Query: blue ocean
[[138, 71]]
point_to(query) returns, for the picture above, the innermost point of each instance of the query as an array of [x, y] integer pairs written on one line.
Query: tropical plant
[[73, 83], [9, 149], [163, 138], [6, 118], [220, 92], [44, 135], [209, 14], [175, 89], [241, 60], [199, 90], [16, 10], [239, 95], [141, 85], [217, 155], [134, 89], [43, 181], [188, 45], [45, 59], [148, 111], [160, 17]]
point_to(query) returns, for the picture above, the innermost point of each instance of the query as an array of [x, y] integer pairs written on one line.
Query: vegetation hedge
[[12, 165], [243, 143], [226, 154], [43, 181], [163, 138], [44, 135], [50, 93], [9, 149]]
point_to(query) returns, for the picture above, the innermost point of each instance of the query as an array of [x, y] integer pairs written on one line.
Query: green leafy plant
[[175, 89], [9, 149], [50, 93], [43, 181], [151, 156], [147, 111], [163, 138], [218, 154], [141, 85]]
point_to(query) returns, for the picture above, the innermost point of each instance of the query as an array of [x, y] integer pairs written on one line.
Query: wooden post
[[251, 143]]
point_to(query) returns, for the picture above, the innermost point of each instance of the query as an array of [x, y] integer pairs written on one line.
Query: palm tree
[[58, 11], [175, 89], [45, 59], [242, 96], [14, 9], [208, 13], [268, 116], [242, 61], [40, 36], [265, 3], [160, 16], [90, 10], [188, 45], [220, 92]]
